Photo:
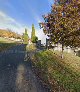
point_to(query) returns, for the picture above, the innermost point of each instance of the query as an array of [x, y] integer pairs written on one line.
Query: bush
[[31, 47]]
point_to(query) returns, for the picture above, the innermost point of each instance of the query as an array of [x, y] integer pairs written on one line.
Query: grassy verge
[[5, 40], [5, 46], [6, 43], [62, 75]]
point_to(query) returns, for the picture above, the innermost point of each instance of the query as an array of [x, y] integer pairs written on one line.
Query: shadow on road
[[16, 74]]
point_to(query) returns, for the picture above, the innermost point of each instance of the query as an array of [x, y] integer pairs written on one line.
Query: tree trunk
[[62, 51]]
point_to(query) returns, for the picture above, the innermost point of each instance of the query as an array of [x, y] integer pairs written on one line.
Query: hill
[[8, 34]]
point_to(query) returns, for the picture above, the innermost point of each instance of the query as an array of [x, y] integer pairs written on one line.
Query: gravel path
[[16, 75]]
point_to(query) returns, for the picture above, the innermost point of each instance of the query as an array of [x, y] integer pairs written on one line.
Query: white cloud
[[41, 35], [4, 18], [10, 23]]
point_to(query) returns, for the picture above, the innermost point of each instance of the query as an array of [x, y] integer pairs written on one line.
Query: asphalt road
[[16, 75]]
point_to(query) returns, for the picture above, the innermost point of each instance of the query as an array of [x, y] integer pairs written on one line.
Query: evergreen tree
[[25, 37], [33, 32], [34, 38]]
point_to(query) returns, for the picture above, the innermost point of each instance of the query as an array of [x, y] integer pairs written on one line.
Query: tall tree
[[33, 32], [62, 25], [25, 37], [72, 22], [34, 38]]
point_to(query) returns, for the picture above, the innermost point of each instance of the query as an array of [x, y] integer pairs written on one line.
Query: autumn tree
[[54, 25], [62, 25], [71, 11]]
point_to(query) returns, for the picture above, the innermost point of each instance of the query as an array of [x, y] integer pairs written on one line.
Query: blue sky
[[18, 14]]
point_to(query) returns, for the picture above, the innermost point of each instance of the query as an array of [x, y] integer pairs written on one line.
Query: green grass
[[6, 43], [5, 40], [57, 71], [5, 46]]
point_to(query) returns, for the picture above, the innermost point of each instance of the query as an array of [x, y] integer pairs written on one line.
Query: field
[[5, 44], [3, 40], [59, 74]]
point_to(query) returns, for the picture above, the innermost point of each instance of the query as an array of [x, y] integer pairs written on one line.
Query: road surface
[[16, 75]]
